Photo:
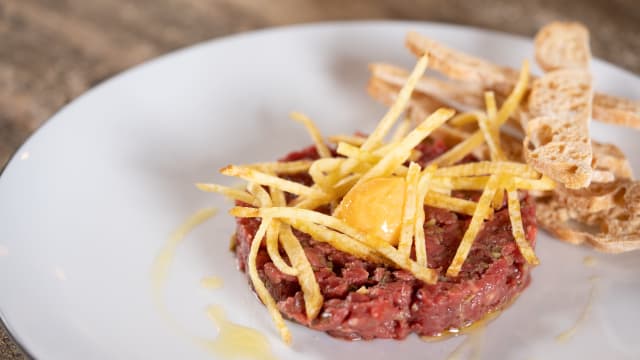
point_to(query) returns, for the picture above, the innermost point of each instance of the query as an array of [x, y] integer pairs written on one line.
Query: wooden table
[[51, 51]]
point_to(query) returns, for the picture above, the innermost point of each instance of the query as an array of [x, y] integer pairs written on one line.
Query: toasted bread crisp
[[609, 158], [455, 94], [387, 93], [561, 45], [420, 106], [558, 143], [463, 67], [614, 110], [596, 214], [606, 216], [466, 68]]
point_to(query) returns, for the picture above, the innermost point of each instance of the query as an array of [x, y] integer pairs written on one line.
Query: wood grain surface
[[51, 51]]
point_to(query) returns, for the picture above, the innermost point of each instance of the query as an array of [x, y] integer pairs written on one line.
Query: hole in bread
[[553, 158], [618, 197], [578, 226], [561, 148], [572, 169], [545, 135], [622, 217]]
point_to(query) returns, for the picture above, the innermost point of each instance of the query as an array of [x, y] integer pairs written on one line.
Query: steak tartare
[[365, 300]]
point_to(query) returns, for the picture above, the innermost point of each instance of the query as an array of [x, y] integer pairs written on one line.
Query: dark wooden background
[[51, 51]]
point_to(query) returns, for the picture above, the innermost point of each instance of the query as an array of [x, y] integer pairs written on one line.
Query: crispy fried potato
[[401, 152], [321, 147], [271, 180], [480, 182], [517, 229], [282, 167], [273, 234], [488, 168], [259, 286], [313, 299], [454, 204], [484, 206], [419, 240], [408, 225], [450, 93], [355, 140], [390, 118], [232, 193]]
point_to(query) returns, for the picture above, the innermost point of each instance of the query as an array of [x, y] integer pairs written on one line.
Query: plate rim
[[276, 29], [214, 41]]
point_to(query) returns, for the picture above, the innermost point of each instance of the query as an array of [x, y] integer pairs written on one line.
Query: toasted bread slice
[[466, 68], [420, 106], [597, 197], [560, 93], [558, 143], [450, 135], [387, 93], [457, 94], [615, 110], [605, 216], [462, 67], [563, 45], [609, 158]]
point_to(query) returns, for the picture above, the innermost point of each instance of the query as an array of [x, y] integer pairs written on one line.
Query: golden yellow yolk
[[375, 207]]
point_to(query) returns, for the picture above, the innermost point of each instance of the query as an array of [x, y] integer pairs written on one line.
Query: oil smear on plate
[[566, 335], [211, 282], [233, 341], [589, 261], [472, 345], [162, 263]]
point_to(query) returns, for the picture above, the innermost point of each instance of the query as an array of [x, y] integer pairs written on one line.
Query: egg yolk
[[375, 207]]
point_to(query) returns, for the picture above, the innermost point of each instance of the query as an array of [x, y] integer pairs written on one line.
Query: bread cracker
[[607, 218], [452, 93], [561, 45], [466, 68], [558, 143]]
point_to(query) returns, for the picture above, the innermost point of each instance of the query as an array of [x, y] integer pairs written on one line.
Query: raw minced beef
[[365, 300]]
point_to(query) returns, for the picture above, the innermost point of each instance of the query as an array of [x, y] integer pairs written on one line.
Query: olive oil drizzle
[[233, 341], [211, 282], [566, 335]]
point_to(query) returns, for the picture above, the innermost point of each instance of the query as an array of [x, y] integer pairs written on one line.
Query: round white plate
[[88, 201]]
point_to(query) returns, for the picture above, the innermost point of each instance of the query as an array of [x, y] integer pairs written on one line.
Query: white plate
[[88, 201]]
